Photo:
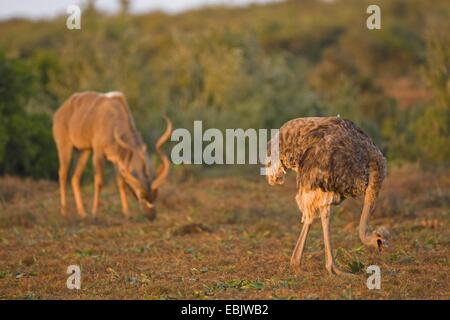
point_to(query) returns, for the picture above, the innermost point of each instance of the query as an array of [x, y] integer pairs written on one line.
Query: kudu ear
[[126, 151], [121, 141]]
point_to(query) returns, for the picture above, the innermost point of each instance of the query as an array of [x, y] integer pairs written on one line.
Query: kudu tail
[[377, 173], [163, 169]]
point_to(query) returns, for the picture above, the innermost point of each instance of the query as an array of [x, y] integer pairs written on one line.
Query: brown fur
[[334, 160], [103, 124]]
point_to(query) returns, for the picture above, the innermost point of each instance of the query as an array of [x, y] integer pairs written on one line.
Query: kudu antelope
[[103, 124], [333, 160]]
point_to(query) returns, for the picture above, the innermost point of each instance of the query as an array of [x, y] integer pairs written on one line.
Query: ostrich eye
[[134, 174]]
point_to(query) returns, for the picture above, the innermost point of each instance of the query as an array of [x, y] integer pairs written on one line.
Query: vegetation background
[[251, 67], [256, 66]]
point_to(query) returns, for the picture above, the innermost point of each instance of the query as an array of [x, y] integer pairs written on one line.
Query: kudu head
[[135, 168]]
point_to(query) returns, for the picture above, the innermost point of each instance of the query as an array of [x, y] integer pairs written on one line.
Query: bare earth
[[222, 238]]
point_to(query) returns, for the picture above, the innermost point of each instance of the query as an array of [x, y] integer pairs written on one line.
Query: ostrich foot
[[333, 269], [295, 267]]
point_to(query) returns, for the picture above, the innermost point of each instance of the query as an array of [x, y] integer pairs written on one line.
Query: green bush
[[26, 145]]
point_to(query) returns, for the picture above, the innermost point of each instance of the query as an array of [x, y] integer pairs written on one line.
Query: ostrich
[[334, 160]]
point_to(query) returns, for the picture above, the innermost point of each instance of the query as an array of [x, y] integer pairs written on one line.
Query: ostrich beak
[[380, 245]]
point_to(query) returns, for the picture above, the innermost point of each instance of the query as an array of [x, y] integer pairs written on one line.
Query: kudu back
[[101, 123]]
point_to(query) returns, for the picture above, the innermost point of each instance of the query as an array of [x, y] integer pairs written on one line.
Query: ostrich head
[[379, 238], [275, 170]]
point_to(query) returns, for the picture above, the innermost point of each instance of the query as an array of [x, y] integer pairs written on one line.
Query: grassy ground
[[222, 237]]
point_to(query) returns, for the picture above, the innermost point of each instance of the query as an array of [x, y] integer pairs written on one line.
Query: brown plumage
[[102, 123], [334, 160]]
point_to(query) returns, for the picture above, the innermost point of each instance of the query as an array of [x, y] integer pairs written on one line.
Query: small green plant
[[356, 266], [134, 281], [347, 293], [240, 284], [83, 253], [189, 250]]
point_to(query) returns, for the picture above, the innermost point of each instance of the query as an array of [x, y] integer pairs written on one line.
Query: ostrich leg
[[329, 259], [298, 251], [296, 257]]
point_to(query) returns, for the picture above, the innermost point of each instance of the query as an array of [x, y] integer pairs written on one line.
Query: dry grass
[[221, 238]]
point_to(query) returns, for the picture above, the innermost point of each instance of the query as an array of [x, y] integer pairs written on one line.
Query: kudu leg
[[64, 155], [329, 259], [80, 165], [123, 197], [97, 161]]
